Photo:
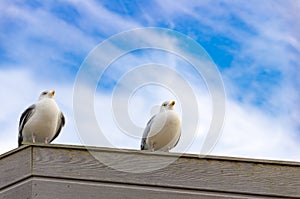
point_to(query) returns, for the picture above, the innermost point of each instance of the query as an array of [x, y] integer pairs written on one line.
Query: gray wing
[[177, 139], [61, 122], [26, 115], [144, 146]]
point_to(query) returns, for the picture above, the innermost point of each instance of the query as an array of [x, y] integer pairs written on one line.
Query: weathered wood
[[187, 172], [73, 171], [70, 189], [15, 166], [21, 190]]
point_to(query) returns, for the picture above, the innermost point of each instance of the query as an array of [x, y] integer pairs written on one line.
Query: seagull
[[42, 121], [163, 130]]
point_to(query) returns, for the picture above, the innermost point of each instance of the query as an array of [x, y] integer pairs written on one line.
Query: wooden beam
[[63, 168], [15, 166]]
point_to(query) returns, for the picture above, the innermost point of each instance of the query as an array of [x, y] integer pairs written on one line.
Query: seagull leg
[[33, 137], [152, 147], [46, 140], [168, 149]]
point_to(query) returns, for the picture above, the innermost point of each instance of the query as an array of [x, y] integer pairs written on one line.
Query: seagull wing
[[61, 122], [177, 139], [26, 115], [144, 146]]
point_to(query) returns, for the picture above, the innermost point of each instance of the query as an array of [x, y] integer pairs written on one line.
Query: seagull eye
[[44, 93]]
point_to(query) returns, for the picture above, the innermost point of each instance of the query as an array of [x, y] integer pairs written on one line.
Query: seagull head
[[47, 94], [167, 105]]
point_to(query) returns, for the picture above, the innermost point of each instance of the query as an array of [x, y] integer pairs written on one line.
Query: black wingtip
[[144, 147], [20, 140]]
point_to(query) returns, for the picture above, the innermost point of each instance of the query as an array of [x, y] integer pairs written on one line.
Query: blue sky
[[255, 45]]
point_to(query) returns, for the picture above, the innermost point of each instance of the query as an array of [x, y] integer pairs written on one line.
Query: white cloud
[[39, 39], [20, 89], [271, 43], [250, 132], [109, 22]]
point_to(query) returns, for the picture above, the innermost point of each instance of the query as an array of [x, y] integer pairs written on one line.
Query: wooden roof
[[62, 171]]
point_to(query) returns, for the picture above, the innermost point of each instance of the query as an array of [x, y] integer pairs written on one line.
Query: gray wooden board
[[22, 190], [15, 166], [245, 177], [44, 188]]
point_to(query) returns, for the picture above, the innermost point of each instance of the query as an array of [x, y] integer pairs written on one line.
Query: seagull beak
[[172, 103], [52, 93]]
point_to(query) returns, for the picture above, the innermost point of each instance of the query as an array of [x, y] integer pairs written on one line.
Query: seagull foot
[[33, 138]]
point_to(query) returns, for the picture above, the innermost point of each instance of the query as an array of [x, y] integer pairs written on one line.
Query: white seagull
[[163, 130], [42, 121]]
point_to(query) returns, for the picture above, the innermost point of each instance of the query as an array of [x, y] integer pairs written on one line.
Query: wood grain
[[187, 172], [44, 188], [21, 190], [60, 171], [15, 166]]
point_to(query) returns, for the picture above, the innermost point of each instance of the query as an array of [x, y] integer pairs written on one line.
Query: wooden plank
[[241, 177], [15, 166], [44, 188], [17, 191]]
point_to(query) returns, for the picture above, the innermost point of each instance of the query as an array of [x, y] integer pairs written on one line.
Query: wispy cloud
[[250, 132], [264, 55], [255, 47], [21, 89]]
